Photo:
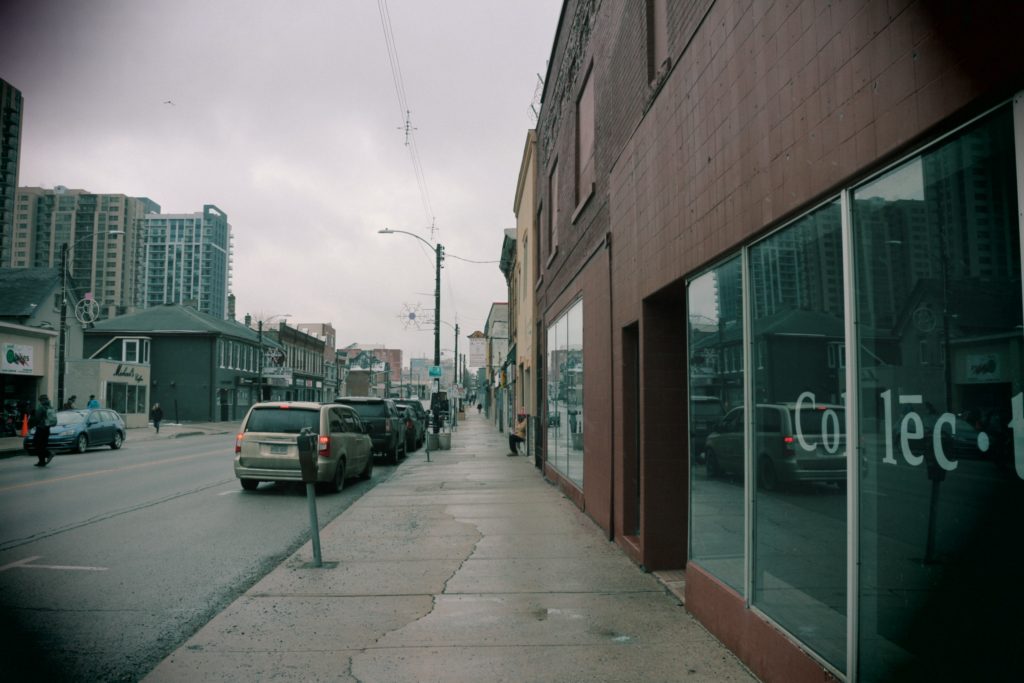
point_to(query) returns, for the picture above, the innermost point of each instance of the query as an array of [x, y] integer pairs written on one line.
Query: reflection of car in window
[[790, 445]]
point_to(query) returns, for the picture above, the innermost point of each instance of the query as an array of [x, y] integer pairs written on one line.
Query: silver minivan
[[793, 442], [266, 448]]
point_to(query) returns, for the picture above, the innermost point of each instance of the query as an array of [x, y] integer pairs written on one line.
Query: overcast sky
[[285, 116]]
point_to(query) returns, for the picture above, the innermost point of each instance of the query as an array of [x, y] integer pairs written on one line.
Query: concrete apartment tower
[[186, 258], [11, 110], [103, 234]]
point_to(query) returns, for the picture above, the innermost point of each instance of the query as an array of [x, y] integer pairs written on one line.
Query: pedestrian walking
[[43, 418], [69, 404], [93, 403], [156, 415], [517, 435], [479, 407]]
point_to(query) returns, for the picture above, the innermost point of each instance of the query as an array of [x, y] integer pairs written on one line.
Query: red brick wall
[[769, 107]]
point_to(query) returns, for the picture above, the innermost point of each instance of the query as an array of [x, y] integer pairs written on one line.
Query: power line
[[405, 111]]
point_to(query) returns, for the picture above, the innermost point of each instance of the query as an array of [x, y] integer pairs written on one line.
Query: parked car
[[409, 424], [266, 448], [77, 430], [782, 456], [705, 413], [386, 429], [421, 420]]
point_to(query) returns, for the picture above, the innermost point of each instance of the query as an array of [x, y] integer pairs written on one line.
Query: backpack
[[51, 416]]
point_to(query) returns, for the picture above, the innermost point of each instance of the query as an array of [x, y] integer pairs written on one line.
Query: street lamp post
[[62, 340], [438, 259], [259, 359]]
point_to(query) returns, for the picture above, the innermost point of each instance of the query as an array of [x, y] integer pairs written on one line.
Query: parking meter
[[307, 463], [307, 455]]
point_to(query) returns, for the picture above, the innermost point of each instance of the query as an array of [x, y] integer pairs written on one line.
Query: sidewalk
[[12, 445], [467, 568]]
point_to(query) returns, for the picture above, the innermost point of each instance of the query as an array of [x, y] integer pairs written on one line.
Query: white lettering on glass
[[912, 429]]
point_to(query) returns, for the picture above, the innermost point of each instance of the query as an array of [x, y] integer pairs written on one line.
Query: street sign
[[435, 371]]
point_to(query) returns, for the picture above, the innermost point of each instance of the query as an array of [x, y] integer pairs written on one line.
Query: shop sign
[[129, 372], [17, 360], [912, 431]]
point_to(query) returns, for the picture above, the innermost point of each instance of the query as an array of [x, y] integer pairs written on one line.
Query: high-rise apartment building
[[186, 259], [10, 150], [103, 234]]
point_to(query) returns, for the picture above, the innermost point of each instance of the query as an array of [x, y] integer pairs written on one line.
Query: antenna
[[407, 127], [538, 93]]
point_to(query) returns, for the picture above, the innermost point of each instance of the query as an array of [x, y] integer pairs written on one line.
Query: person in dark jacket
[[156, 415], [42, 418]]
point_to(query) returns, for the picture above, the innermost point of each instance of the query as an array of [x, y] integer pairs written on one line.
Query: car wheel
[[118, 440], [250, 484], [711, 462], [767, 478], [368, 470], [82, 443], [338, 483]]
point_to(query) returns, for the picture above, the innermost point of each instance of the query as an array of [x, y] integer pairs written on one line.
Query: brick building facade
[[765, 205]]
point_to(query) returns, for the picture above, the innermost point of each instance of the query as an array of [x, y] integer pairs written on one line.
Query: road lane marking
[[24, 564], [124, 468], [19, 563]]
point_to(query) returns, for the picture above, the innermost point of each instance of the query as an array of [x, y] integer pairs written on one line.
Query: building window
[[928, 448], [585, 141], [657, 38], [940, 476], [553, 211], [799, 433], [126, 398], [130, 350], [714, 302], [565, 394]]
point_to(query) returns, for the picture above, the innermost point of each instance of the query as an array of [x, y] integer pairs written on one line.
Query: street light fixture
[[439, 258], [62, 339], [259, 360]]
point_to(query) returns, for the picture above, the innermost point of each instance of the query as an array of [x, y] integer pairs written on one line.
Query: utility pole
[[63, 339]]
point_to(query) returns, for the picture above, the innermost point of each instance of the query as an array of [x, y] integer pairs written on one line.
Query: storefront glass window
[[715, 305], [574, 392], [799, 433], [941, 367], [565, 394]]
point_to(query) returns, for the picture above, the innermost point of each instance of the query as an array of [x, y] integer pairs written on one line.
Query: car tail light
[[238, 442], [787, 447], [324, 447]]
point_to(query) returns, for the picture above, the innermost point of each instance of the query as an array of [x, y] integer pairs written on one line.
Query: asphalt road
[[111, 559]]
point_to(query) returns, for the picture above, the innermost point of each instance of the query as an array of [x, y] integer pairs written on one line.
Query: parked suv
[[420, 419], [783, 453], [266, 448], [383, 424]]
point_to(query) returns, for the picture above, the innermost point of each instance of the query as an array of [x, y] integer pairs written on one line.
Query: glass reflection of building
[[938, 362]]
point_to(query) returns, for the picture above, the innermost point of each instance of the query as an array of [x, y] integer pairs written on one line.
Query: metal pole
[[259, 364], [314, 524], [63, 340], [437, 309], [455, 385]]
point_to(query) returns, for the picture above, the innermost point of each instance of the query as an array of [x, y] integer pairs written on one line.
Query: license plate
[[278, 450]]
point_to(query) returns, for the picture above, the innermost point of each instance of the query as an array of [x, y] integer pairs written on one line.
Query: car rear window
[[707, 409], [283, 420], [811, 419], [368, 409]]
